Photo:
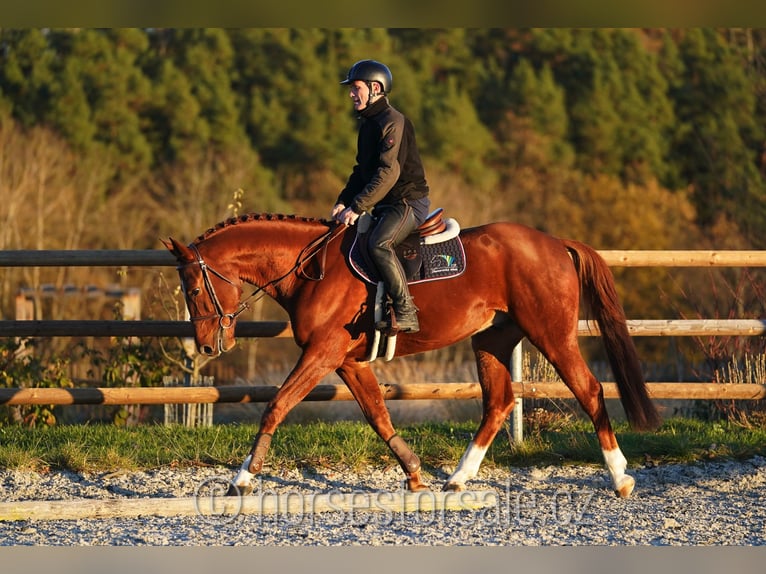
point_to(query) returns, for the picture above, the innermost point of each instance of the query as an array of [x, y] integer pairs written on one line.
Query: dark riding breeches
[[395, 223]]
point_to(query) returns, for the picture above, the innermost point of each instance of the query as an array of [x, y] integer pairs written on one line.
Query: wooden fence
[[456, 390]]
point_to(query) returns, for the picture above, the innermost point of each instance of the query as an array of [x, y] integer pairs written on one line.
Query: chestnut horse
[[518, 282]]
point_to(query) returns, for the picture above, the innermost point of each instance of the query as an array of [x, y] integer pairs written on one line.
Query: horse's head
[[212, 298]]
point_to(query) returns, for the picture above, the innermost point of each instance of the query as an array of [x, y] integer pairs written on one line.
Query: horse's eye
[[194, 292]]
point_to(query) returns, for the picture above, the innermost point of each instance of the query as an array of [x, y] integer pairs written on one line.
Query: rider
[[387, 181]]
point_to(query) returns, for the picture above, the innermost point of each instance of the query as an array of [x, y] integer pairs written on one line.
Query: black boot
[[406, 316], [405, 313]]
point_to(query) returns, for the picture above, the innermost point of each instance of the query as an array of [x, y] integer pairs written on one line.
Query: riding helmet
[[370, 71]]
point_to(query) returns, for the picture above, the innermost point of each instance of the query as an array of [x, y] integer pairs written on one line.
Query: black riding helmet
[[370, 71]]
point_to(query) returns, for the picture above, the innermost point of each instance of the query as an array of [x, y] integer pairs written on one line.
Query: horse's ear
[[181, 252]]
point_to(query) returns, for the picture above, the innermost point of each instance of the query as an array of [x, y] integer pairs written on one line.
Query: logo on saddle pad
[[444, 263], [429, 258]]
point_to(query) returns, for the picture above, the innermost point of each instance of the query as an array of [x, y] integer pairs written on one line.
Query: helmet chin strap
[[370, 96]]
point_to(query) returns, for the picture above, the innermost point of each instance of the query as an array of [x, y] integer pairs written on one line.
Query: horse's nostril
[[206, 350]]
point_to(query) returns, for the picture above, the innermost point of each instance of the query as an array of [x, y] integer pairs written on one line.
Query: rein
[[226, 320]]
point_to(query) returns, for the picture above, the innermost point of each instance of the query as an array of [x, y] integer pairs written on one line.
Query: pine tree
[[537, 96], [453, 133], [206, 57], [176, 128], [102, 94], [27, 74], [296, 112], [716, 108]]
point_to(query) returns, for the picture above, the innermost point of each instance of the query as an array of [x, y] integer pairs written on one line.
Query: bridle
[[226, 320]]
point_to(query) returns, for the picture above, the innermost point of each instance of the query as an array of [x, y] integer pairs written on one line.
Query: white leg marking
[[244, 476], [469, 464], [616, 464]]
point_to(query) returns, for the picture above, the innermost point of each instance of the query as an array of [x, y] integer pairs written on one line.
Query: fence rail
[[391, 391], [163, 258], [282, 329], [411, 391]]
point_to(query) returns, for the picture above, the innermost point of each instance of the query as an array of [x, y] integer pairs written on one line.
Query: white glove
[[348, 217], [337, 210]]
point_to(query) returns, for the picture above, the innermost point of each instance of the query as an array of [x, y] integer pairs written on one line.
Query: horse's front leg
[[309, 370], [363, 384]]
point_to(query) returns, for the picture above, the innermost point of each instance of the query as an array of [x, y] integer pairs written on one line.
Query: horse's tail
[[600, 295]]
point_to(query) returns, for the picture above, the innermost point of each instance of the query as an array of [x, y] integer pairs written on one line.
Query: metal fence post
[[516, 377]]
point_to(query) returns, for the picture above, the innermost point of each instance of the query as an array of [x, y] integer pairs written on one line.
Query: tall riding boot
[[405, 313]]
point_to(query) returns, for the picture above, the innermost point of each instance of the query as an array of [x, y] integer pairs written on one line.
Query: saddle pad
[[439, 261]]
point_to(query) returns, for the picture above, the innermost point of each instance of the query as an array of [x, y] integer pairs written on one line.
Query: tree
[[27, 74], [716, 134], [645, 110], [176, 127], [50, 192], [296, 114], [453, 133], [206, 57], [103, 67], [537, 96], [195, 194]]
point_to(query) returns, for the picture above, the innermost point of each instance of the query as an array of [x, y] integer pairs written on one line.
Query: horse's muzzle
[[222, 343], [209, 351]]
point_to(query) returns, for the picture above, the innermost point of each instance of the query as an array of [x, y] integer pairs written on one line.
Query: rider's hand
[[337, 210], [348, 217]]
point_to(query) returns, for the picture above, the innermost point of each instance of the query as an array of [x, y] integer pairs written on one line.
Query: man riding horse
[[387, 181]]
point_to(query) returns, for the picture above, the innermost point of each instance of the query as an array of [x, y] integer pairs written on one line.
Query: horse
[[518, 282]]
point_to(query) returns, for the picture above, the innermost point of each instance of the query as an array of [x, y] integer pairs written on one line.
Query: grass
[[104, 448]]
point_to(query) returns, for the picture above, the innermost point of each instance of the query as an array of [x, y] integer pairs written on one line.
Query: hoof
[[453, 487], [625, 487], [416, 486], [235, 490]]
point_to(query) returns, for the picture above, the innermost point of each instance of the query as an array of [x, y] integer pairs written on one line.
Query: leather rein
[[226, 320]]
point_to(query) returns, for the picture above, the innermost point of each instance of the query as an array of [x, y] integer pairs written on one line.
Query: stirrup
[[398, 322], [390, 340]]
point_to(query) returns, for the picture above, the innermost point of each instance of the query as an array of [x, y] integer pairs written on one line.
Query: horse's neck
[[266, 256]]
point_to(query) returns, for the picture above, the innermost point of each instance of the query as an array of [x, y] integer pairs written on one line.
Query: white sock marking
[[469, 464], [244, 476], [616, 463]]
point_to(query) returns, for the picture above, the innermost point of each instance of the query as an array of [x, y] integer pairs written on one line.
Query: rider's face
[[360, 94]]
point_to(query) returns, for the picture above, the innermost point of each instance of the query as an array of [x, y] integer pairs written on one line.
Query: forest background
[[621, 138]]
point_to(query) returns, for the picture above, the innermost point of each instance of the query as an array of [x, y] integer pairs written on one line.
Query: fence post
[[25, 308], [518, 408], [188, 414]]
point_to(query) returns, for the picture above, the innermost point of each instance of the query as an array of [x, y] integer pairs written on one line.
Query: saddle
[[433, 251]]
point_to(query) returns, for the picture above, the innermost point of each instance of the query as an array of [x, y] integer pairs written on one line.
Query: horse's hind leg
[[363, 384], [564, 355], [493, 349], [590, 395]]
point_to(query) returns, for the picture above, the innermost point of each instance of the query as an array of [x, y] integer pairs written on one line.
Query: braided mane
[[247, 217]]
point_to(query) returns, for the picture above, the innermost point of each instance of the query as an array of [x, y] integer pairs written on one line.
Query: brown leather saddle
[[433, 251]]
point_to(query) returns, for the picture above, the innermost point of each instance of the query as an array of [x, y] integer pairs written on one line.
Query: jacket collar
[[375, 108]]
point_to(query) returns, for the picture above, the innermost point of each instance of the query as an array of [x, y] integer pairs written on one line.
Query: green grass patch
[[104, 448]]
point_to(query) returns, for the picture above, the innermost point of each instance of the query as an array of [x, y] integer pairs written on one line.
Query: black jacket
[[388, 166]]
